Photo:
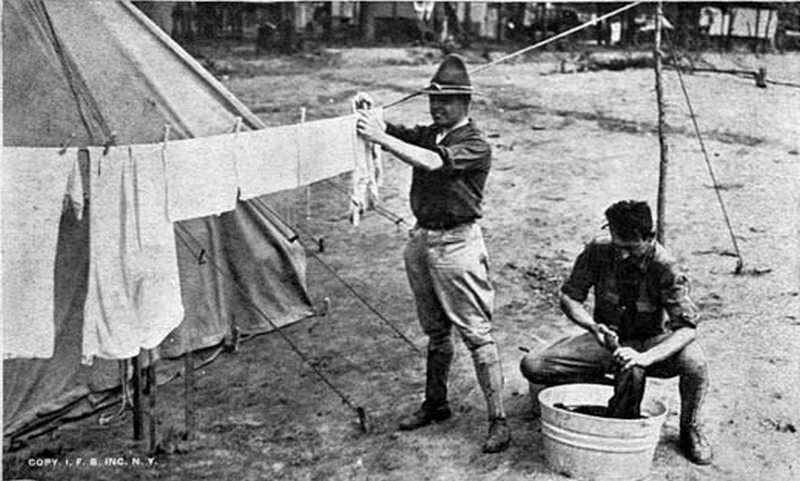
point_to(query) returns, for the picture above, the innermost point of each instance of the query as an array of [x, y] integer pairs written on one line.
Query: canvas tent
[[83, 71]]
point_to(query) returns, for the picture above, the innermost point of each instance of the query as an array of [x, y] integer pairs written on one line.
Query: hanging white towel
[[201, 176], [134, 298], [34, 181], [267, 160], [327, 148]]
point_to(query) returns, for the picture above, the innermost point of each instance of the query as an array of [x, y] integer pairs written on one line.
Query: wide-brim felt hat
[[451, 78]]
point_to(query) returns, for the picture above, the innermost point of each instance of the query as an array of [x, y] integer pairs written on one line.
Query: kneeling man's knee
[[692, 360], [533, 368]]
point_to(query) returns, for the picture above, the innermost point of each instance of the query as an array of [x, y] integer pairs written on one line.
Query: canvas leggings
[[582, 359], [448, 271]]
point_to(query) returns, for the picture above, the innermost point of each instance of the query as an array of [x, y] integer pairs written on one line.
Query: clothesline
[[137, 192], [540, 44]]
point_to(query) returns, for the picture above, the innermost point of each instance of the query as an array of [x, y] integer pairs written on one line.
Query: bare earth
[[566, 146]]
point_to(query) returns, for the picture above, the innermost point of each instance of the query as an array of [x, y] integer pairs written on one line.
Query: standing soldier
[[445, 258]]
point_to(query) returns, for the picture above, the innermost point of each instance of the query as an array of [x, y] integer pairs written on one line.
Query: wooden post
[[138, 419], [662, 142], [308, 187], [188, 392], [152, 387]]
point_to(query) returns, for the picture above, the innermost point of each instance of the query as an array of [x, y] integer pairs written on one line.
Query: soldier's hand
[[627, 357], [606, 337], [369, 126], [363, 101]]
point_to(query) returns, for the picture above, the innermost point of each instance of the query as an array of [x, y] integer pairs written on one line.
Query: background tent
[[84, 70]]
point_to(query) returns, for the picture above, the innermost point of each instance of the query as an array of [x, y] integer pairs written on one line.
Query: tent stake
[[188, 390], [138, 424], [662, 142], [152, 385]]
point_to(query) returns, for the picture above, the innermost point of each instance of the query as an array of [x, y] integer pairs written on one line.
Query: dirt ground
[[566, 146]]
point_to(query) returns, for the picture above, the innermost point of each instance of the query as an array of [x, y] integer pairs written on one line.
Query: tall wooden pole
[[661, 214]]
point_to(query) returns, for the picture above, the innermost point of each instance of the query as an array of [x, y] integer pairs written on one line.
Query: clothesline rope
[[354, 292], [182, 234], [717, 191], [540, 44]]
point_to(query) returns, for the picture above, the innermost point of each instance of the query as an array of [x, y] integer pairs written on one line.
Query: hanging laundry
[[134, 298], [74, 198], [267, 160], [327, 148], [367, 176], [34, 183], [201, 176]]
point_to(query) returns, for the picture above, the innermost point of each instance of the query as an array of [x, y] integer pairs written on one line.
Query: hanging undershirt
[[201, 177], [34, 183], [134, 297]]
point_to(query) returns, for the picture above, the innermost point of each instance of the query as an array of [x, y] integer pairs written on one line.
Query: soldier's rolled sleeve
[[414, 136], [582, 277], [674, 292], [474, 153]]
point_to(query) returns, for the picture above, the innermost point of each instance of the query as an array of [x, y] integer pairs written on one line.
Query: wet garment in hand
[[628, 393], [134, 297], [34, 183], [367, 177]]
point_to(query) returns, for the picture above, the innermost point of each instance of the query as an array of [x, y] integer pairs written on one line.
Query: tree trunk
[[366, 21]]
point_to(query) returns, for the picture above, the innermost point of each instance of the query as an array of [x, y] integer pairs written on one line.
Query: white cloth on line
[[34, 182], [134, 297], [327, 148], [267, 160], [367, 177], [201, 176], [74, 197]]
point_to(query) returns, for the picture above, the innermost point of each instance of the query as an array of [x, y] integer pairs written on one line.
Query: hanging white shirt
[[34, 183]]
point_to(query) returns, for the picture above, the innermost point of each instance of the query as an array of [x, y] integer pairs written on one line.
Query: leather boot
[[693, 386], [490, 377], [695, 446], [435, 408], [423, 417], [499, 436]]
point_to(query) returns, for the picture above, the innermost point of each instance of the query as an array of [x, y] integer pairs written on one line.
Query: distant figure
[[445, 258], [640, 295]]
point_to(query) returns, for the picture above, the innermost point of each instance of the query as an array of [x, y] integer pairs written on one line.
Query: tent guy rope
[[717, 191], [360, 412], [358, 295]]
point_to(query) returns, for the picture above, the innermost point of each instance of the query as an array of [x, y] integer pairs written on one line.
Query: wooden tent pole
[[662, 141], [138, 419], [188, 390], [308, 187]]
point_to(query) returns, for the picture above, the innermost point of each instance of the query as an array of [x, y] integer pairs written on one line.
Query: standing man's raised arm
[[372, 129]]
